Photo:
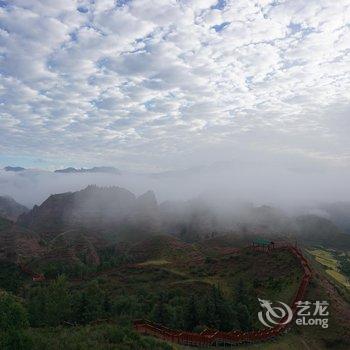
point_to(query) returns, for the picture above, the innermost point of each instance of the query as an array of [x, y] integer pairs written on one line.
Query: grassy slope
[[322, 287], [190, 271], [169, 273], [192, 268], [97, 337]]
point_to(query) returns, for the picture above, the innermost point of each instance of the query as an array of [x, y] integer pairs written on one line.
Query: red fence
[[214, 337]]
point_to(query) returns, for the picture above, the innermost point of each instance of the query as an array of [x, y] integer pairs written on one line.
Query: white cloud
[[139, 83]]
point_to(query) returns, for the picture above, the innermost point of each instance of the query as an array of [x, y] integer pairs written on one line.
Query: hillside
[[10, 209], [126, 257], [339, 213], [158, 278], [18, 244], [5, 224], [71, 252], [314, 230], [116, 214]]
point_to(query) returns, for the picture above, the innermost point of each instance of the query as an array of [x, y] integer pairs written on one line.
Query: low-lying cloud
[[223, 183]]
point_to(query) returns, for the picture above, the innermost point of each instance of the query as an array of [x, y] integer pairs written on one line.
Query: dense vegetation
[[179, 285], [55, 304], [96, 305], [344, 265]]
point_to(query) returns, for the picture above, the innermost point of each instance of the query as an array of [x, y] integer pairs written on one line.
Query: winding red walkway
[[212, 337]]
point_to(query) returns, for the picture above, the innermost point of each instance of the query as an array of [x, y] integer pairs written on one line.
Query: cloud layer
[[161, 84]]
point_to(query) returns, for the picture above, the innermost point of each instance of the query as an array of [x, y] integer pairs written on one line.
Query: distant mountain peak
[[14, 168], [93, 208], [99, 169], [148, 195]]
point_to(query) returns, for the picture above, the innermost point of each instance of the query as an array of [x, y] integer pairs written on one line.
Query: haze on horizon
[[152, 86]]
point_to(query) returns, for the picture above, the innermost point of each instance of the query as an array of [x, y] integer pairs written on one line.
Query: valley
[[80, 271]]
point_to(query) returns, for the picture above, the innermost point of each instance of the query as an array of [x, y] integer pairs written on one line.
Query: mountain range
[[100, 169], [94, 209], [14, 168], [73, 227], [71, 170]]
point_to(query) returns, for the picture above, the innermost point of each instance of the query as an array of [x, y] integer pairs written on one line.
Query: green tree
[[13, 314], [37, 306], [244, 318], [91, 304], [13, 319], [15, 339], [227, 316], [216, 311], [242, 293], [190, 314], [208, 311], [50, 305], [160, 312], [58, 302]]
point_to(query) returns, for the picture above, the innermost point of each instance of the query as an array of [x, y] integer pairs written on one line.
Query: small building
[[261, 244]]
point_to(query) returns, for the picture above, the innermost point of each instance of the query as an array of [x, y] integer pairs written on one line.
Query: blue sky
[[156, 85]]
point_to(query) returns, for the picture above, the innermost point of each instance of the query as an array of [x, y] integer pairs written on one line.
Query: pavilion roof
[[262, 241]]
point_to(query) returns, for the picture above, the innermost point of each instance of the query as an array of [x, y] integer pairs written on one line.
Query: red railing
[[214, 337]]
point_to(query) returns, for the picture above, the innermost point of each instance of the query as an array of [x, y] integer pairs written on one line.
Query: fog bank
[[220, 182]]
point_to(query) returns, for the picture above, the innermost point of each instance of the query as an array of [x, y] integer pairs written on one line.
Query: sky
[[156, 85]]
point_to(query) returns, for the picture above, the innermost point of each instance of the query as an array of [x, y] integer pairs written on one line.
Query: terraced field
[[328, 259]]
